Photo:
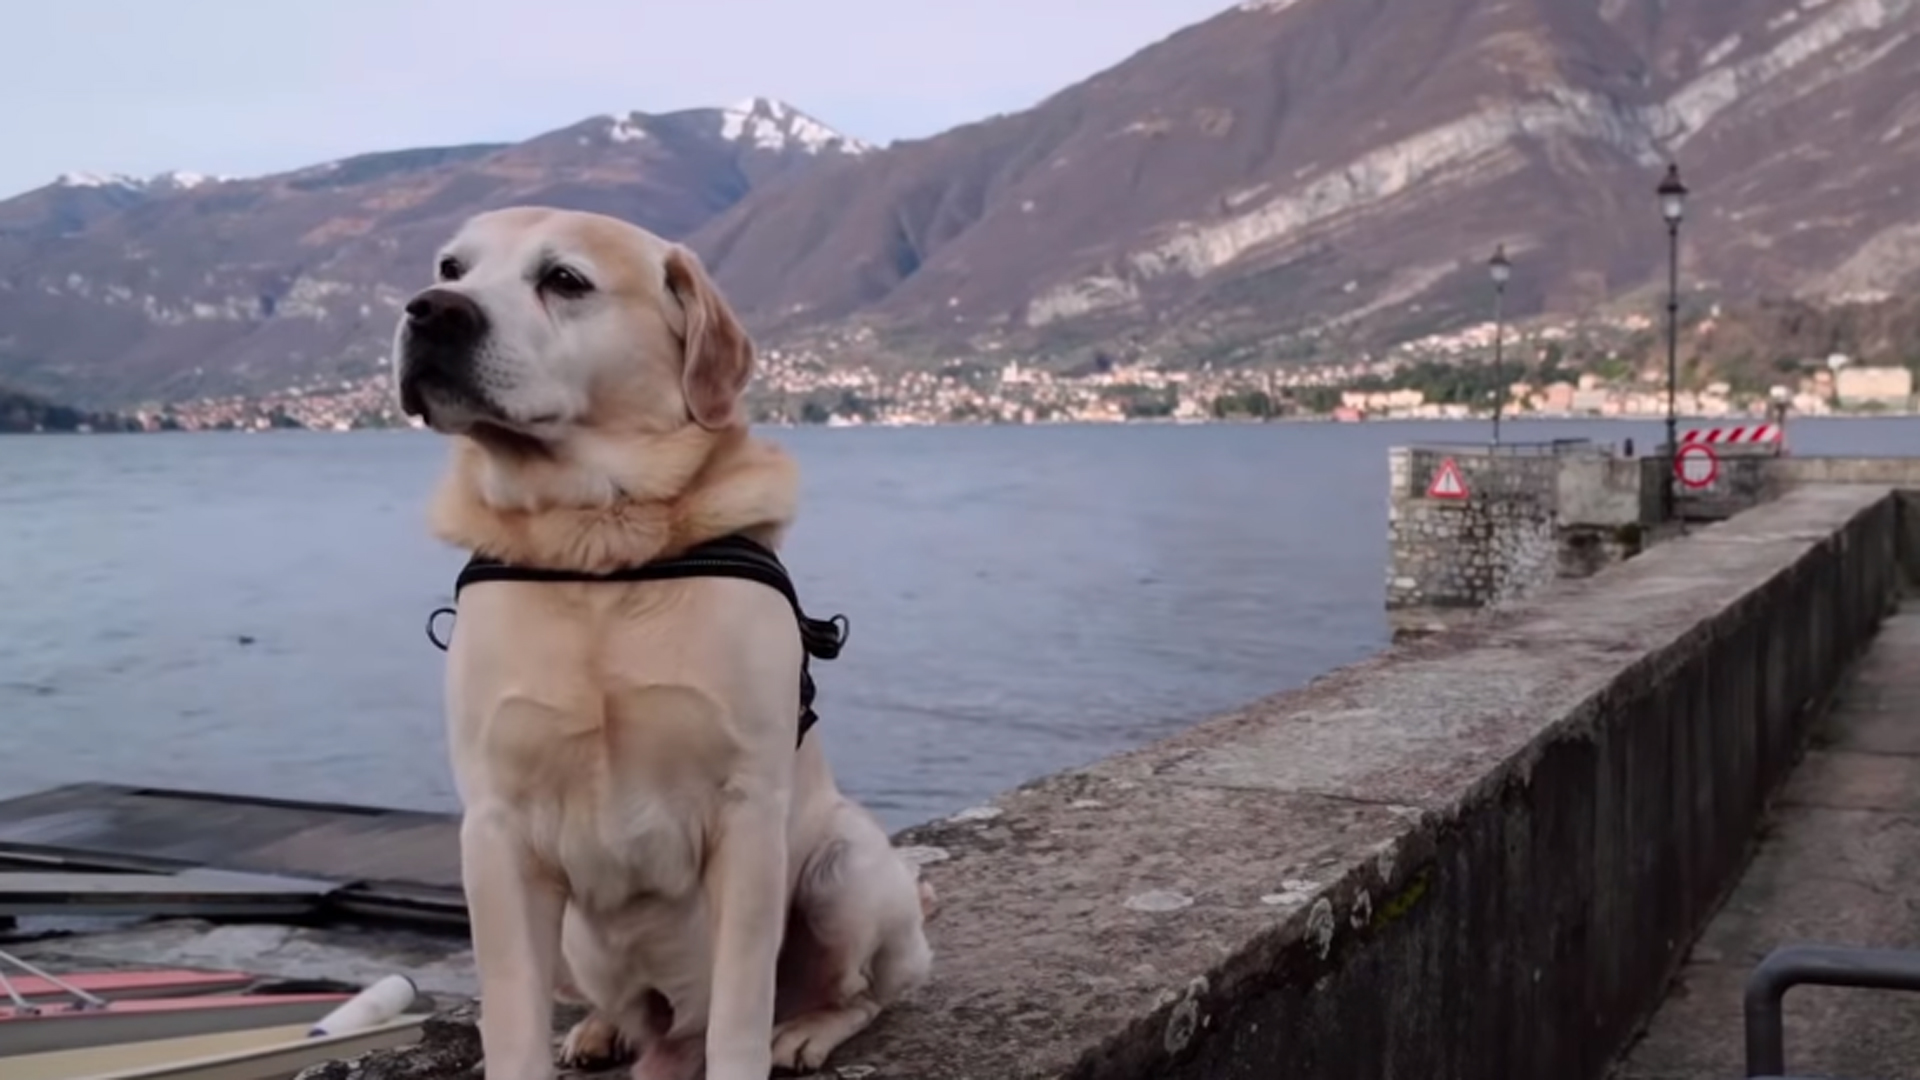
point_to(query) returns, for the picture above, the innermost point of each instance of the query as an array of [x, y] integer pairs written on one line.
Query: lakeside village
[[1548, 371]]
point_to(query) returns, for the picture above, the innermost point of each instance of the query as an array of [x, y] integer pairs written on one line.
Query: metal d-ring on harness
[[729, 557]]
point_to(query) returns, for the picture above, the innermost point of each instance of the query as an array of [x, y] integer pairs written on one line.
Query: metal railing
[[1539, 448], [1812, 965]]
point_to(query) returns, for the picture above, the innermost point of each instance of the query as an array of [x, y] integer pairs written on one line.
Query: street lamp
[[1501, 270], [1779, 400], [1673, 206]]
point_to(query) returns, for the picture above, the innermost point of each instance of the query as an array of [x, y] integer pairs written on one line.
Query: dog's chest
[[613, 737], [614, 792], [635, 848]]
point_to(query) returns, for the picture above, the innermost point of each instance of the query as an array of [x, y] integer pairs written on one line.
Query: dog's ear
[[719, 355]]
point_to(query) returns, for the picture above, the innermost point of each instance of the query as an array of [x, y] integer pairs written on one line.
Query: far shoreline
[[1472, 421]]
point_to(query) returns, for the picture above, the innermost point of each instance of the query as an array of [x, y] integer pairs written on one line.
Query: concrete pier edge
[[1481, 854]]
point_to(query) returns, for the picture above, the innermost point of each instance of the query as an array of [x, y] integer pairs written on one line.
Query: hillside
[[1322, 167], [115, 290], [1286, 181], [1754, 346], [22, 413]]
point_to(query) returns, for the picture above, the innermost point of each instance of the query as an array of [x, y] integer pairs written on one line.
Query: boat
[[213, 1026], [40, 1029], [128, 985], [269, 1053]]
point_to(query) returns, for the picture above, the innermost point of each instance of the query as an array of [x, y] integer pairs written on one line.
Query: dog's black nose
[[445, 317]]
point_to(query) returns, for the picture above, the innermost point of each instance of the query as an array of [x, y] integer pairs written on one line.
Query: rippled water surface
[[244, 612]]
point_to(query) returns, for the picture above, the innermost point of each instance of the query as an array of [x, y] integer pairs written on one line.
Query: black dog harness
[[727, 557]]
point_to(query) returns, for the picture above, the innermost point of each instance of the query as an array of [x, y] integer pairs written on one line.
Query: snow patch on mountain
[[628, 128], [759, 122], [166, 181], [768, 124]]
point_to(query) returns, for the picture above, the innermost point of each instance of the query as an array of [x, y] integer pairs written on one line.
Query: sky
[[245, 87]]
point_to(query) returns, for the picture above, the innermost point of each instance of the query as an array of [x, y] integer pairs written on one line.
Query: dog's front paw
[[798, 1047], [594, 1043]]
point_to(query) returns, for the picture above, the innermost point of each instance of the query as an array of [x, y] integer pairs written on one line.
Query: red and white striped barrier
[[1750, 433]]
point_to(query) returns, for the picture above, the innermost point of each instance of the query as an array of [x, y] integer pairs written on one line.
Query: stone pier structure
[[1488, 537], [1513, 517], [1471, 526]]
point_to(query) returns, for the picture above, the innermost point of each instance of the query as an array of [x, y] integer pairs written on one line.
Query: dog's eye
[[564, 282], [450, 269]]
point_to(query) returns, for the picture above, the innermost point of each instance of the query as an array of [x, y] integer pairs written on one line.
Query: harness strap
[[728, 557]]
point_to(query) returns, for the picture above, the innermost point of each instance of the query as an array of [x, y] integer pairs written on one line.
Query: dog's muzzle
[[440, 337]]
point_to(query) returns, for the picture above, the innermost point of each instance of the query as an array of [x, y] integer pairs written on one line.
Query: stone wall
[[1585, 550], [1540, 512], [1476, 857], [1901, 473], [1537, 513], [1602, 489], [1746, 479], [1607, 509], [1492, 546], [1896, 472]]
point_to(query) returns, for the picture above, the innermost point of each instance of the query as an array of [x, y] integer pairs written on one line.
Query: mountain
[[1777, 341], [1302, 169], [75, 201], [1289, 180], [22, 413], [115, 290]]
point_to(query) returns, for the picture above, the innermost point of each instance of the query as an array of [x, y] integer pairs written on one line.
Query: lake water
[[244, 612]]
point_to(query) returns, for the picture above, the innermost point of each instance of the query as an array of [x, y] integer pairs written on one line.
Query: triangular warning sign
[[1447, 482]]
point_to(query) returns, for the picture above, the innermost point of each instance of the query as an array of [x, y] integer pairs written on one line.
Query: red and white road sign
[[1696, 465], [1447, 482], [1750, 433]]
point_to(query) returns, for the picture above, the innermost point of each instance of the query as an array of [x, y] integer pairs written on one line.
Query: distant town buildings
[[1889, 388], [1434, 378]]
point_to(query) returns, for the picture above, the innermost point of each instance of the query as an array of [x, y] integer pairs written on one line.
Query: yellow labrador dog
[[638, 827]]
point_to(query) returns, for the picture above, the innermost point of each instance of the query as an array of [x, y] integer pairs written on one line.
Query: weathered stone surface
[[1606, 491], [449, 1047], [1894, 472]]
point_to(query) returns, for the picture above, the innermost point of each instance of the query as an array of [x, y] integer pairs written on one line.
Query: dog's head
[[543, 324]]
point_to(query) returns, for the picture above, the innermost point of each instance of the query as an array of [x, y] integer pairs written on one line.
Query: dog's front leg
[[515, 912], [746, 884]]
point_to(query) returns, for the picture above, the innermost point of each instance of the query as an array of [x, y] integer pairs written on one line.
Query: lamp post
[[1779, 400], [1673, 206], [1501, 270]]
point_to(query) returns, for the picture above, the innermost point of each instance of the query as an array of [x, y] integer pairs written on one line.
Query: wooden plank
[[407, 853], [205, 893], [186, 883], [156, 1018], [423, 853], [129, 822], [233, 1055]]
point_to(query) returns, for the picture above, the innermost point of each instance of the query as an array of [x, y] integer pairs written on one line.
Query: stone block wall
[[1598, 488], [1586, 550], [1494, 545], [1746, 479]]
